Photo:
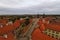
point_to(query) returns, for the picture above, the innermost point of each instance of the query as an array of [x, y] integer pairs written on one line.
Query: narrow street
[[27, 34]]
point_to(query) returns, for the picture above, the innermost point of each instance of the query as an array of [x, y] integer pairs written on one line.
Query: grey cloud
[[46, 7]]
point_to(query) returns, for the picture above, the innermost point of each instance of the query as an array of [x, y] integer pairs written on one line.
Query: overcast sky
[[29, 6]]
